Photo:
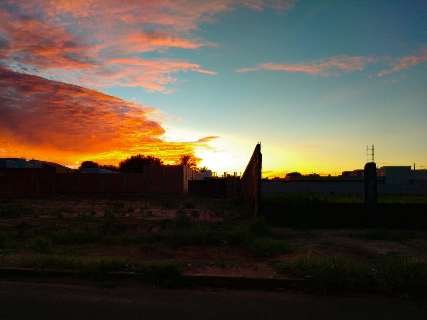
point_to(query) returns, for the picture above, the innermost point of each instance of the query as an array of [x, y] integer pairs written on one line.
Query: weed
[[51, 262], [7, 241], [11, 210], [41, 245], [389, 274], [260, 228], [388, 235], [189, 205], [182, 220], [267, 247], [74, 236], [164, 273]]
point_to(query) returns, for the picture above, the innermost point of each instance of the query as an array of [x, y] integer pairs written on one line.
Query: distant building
[[201, 175], [13, 163], [396, 174], [97, 170], [419, 175], [293, 176], [19, 163], [353, 173], [57, 167]]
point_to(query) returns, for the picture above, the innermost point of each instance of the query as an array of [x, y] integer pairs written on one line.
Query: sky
[[313, 81]]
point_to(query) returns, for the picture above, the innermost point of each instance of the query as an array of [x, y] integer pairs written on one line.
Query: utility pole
[[370, 153]]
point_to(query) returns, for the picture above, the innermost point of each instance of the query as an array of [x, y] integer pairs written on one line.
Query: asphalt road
[[26, 300]]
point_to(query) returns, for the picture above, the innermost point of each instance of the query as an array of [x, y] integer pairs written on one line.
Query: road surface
[[31, 300]]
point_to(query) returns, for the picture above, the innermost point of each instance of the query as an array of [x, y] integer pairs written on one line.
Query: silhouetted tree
[[188, 160], [88, 164], [138, 163]]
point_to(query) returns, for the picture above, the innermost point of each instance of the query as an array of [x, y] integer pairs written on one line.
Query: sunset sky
[[314, 81]]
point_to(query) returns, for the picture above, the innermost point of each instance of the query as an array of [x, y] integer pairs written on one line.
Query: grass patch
[[164, 273], [394, 274], [74, 236], [7, 242], [41, 245], [13, 210], [388, 235], [267, 247]]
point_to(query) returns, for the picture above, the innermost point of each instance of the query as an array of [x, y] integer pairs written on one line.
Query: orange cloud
[[405, 63], [75, 41], [33, 43], [60, 122], [330, 66]]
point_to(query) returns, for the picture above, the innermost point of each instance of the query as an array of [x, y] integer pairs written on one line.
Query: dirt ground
[[174, 229]]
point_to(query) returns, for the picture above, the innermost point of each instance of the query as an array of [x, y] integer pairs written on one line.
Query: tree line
[[137, 163]]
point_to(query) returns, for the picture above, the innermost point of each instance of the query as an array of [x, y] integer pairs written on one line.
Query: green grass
[[388, 235], [41, 245], [307, 199], [254, 235], [392, 274], [267, 247], [13, 210], [165, 273]]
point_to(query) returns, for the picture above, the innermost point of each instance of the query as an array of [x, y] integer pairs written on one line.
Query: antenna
[[370, 153]]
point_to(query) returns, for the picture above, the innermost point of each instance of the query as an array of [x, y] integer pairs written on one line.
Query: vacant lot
[[165, 237]]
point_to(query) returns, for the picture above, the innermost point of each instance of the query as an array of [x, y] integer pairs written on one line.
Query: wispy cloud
[[405, 63], [76, 40], [67, 123], [327, 67]]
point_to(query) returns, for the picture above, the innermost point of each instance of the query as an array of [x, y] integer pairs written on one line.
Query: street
[[26, 300]]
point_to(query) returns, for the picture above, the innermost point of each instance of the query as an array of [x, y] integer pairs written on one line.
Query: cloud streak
[[66, 123], [405, 63], [331, 66], [75, 41]]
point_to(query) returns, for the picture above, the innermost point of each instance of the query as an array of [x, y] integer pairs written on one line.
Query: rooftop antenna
[[370, 153]]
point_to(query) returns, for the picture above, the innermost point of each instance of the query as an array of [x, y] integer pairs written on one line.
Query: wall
[[27, 182], [339, 187], [41, 182], [214, 187]]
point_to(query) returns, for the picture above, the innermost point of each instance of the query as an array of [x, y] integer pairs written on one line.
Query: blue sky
[[314, 81], [331, 118]]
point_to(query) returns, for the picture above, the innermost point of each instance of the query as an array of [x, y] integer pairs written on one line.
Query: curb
[[183, 281]]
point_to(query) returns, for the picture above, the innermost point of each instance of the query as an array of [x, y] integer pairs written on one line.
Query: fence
[[45, 182]]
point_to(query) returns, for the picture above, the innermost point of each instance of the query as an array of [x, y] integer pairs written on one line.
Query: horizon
[[315, 83]]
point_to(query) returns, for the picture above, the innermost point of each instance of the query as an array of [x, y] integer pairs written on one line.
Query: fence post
[[370, 183]]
